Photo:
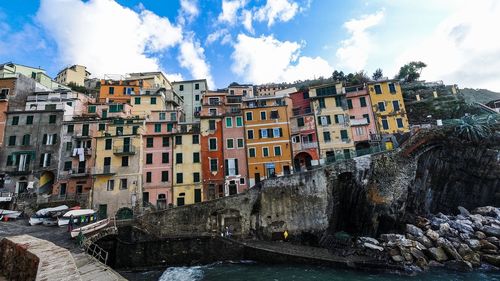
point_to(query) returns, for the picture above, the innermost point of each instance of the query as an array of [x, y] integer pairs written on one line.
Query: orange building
[[7, 86], [119, 91], [269, 151]]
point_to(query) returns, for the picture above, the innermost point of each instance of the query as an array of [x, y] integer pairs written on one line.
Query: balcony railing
[[305, 145], [233, 111], [81, 135], [233, 100], [79, 172], [104, 170], [125, 150], [359, 122]]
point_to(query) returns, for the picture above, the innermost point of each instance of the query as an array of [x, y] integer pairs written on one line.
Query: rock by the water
[[491, 231], [487, 211], [493, 240], [449, 248], [368, 240], [492, 259], [463, 211], [433, 235], [398, 258], [474, 244], [425, 241], [437, 254], [422, 222], [417, 253], [469, 255], [480, 235], [391, 237], [435, 264], [487, 245], [372, 246], [414, 230], [459, 265]]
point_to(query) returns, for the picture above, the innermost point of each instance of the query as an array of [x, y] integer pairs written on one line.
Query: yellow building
[[330, 108], [73, 74], [187, 181], [267, 136], [118, 166], [388, 108]]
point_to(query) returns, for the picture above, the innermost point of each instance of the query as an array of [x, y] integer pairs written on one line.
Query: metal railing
[[127, 149]]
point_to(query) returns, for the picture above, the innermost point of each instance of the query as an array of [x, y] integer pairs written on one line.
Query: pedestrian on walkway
[[70, 223]]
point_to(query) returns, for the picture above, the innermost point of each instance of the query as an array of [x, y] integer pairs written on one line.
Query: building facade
[[190, 92], [75, 74]]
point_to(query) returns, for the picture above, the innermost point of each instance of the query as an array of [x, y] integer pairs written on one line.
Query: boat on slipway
[[9, 214], [48, 216], [89, 228], [82, 216]]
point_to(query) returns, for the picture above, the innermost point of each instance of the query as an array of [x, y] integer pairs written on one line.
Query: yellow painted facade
[[332, 122], [185, 189], [388, 107], [267, 136], [118, 166]]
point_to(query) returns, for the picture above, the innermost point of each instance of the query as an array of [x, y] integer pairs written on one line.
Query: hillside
[[479, 95]]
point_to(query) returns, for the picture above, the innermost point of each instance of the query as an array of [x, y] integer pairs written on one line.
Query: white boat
[[9, 214], [50, 211], [77, 214], [89, 228], [50, 222], [43, 215], [36, 220]]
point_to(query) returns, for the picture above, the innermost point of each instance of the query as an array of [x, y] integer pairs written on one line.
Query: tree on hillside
[[338, 76], [378, 74], [357, 78], [73, 86], [410, 72]]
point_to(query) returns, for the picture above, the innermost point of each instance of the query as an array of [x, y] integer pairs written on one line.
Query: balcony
[[125, 150], [79, 172], [17, 171], [304, 145], [233, 111], [103, 171], [359, 122], [233, 100], [81, 135]]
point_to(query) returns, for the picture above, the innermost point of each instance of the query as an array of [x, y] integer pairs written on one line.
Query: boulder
[[464, 212], [492, 259], [426, 242], [435, 264], [491, 231], [417, 253], [406, 254], [422, 222], [433, 235], [414, 230], [391, 237], [469, 255], [448, 248], [487, 211], [436, 222], [437, 254], [372, 246], [368, 240], [493, 240], [398, 258], [474, 244], [459, 265], [487, 245], [480, 235]]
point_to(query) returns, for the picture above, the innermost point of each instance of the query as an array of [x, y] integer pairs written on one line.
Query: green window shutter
[[349, 103]]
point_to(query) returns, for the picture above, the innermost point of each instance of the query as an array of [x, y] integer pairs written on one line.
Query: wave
[[184, 273]]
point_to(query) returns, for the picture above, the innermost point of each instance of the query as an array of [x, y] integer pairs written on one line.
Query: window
[[102, 127], [166, 141], [178, 140], [165, 157], [12, 140], [181, 87], [395, 105], [15, 120], [153, 100], [115, 108], [196, 177], [179, 178], [45, 160], [339, 118], [240, 143], [212, 144], [392, 88], [214, 163], [149, 158], [69, 146], [360, 131], [107, 144], [324, 120], [338, 101], [265, 151], [196, 139], [239, 121], [123, 183], [67, 166], [378, 89], [362, 101], [263, 115], [111, 90], [91, 108], [349, 103], [29, 119], [162, 116], [381, 106], [300, 122], [211, 125], [4, 92], [327, 137], [196, 86], [343, 135], [178, 158], [399, 122], [321, 102], [52, 119], [148, 176], [251, 152], [196, 157], [230, 143], [277, 132], [26, 140], [275, 114], [119, 131], [124, 161], [110, 185], [367, 116], [164, 176], [150, 142], [277, 151], [170, 127], [385, 124], [242, 180], [158, 128], [250, 134], [229, 122], [197, 97], [249, 116], [263, 133]]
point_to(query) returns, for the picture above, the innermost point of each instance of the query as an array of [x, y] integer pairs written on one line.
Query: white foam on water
[[193, 273]]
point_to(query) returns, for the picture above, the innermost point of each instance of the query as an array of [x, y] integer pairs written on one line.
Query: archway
[[302, 161], [124, 214]]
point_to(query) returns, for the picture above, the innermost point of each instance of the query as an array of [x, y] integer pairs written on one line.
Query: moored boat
[[79, 217], [43, 215], [9, 214], [89, 228]]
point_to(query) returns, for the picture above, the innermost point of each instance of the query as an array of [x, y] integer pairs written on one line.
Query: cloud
[[107, 37], [354, 51], [230, 10], [189, 11], [247, 20], [277, 10], [218, 34], [192, 57], [265, 59], [27, 40], [463, 48]]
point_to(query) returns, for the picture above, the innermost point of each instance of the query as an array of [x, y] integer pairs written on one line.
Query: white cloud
[[175, 77], [107, 37], [192, 57], [230, 10], [216, 35], [354, 51], [266, 59], [463, 48], [277, 10], [247, 20], [189, 11]]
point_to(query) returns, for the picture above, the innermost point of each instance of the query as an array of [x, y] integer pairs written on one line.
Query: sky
[[256, 41]]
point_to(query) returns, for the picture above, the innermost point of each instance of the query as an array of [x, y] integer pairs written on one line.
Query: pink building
[[157, 165], [361, 117]]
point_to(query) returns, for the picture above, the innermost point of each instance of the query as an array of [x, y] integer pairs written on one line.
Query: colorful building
[[187, 185], [361, 119], [191, 92], [119, 91], [269, 150], [303, 132], [389, 110], [331, 114], [75, 74]]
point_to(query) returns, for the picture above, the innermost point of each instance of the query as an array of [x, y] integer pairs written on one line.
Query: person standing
[[70, 223]]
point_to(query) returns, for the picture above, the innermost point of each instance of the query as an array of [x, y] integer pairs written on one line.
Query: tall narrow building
[[191, 91]]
